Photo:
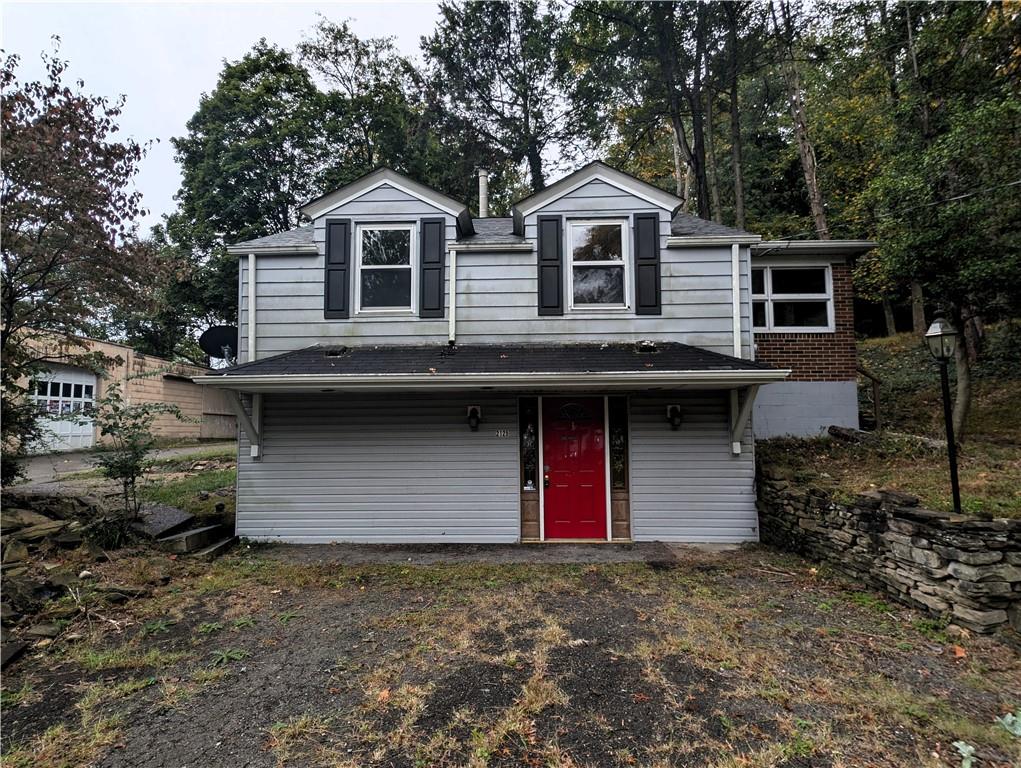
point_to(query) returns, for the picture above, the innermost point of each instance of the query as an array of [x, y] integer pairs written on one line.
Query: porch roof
[[640, 365]]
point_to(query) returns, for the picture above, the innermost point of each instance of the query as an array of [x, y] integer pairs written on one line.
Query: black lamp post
[[942, 340]]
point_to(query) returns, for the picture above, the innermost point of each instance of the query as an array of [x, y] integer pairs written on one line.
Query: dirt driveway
[[726, 659]]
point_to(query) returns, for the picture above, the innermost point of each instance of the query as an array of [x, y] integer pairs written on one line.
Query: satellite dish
[[220, 341]]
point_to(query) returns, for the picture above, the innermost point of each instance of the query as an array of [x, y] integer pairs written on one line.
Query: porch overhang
[[641, 365], [550, 380]]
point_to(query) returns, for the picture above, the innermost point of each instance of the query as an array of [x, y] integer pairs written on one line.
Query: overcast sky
[[163, 56]]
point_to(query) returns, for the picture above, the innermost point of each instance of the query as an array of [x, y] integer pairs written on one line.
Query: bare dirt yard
[[726, 659]]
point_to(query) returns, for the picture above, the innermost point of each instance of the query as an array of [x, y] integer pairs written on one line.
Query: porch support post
[[739, 416], [247, 424]]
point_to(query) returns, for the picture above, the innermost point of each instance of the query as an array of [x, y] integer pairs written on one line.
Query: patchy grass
[[227, 453], [989, 459], [182, 490], [739, 659], [130, 656], [990, 473], [910, 394]]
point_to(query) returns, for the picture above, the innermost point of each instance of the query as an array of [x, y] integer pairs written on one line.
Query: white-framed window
[[599, 272], [61, 398], [792, 297], [385, 258]]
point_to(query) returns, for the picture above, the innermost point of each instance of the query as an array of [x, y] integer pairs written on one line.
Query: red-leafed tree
[[66, 229]]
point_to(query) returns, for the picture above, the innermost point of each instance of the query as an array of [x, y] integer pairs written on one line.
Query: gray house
[[582, 370]]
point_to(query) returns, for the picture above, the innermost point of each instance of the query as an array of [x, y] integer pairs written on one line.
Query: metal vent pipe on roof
[[483, 193]]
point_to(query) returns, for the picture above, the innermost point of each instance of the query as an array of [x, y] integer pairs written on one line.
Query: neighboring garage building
[[64, 390]]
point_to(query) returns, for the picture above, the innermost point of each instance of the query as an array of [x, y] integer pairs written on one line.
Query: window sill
[[793, 330], [594, 309]]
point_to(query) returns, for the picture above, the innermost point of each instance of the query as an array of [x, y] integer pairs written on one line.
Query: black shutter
[[647, 275], [434, 246], [338, 268], [551, 266]]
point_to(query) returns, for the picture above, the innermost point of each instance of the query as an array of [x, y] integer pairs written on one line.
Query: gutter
[[376, 381], [711, 240], [272, 250]]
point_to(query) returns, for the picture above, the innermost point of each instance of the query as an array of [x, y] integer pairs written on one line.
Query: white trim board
[[606, 174], [336, 199], [452, 381]]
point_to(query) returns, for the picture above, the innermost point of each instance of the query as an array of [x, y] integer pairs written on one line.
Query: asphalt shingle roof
[[684, 224], [495, 358], [496, 230], [300, 236]]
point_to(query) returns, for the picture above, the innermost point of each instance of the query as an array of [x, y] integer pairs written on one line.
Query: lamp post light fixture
[[942, 341]]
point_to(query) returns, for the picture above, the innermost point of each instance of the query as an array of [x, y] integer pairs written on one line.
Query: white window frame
[[625, 253], [412, 228], [768, 297]]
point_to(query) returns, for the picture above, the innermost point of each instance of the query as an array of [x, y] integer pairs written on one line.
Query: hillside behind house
[[908, 455]]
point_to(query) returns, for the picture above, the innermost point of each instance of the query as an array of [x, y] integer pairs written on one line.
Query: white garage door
[[65, 396]]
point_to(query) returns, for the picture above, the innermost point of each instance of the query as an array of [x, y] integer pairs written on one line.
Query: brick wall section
[[817, 356], [958, 568]]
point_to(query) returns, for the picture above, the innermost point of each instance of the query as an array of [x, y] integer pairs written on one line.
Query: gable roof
[[377, 178], [597, 169]]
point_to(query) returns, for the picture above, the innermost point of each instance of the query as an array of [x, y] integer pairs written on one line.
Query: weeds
[[223, 657]]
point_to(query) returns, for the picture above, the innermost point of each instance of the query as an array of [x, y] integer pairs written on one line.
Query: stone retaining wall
[[962, 568]]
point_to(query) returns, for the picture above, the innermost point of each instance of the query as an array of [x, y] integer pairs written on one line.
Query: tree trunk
[[735, 159], [918, 308], [796, 105], [713, 168], [666, 52], [962, 399], [534, 157], [891, 323], [680, 170], [735, 118], [687, 189]]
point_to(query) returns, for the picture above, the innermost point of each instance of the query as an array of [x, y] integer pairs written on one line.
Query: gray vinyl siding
[[400, 469], [686, 485], [805, 408], [496, 292]]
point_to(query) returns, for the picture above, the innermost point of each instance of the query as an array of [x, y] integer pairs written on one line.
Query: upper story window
[[386, 275], [598, 277], [792, 298]]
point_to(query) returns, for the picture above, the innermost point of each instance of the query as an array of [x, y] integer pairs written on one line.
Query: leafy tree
[[69, 252], [946, 203], [255, 150], [497, 67], [651, 58]]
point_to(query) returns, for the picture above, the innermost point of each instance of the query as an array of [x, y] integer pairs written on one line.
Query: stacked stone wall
[[961, 568]]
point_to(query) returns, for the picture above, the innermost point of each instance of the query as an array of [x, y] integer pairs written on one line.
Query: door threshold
[[577, 541]]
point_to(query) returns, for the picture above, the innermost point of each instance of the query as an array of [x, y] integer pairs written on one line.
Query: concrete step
[[187, 542], [213, 551], [158, 521]]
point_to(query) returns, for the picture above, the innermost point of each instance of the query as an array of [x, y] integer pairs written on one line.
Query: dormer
[[384, 238]]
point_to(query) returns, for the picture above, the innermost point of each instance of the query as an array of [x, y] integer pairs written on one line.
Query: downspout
[[735, 288], [452, 300], [251, 307]]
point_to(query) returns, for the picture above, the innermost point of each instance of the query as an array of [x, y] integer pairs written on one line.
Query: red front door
[[574, 468]]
